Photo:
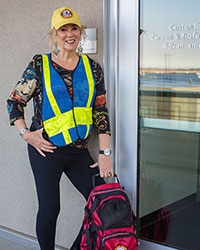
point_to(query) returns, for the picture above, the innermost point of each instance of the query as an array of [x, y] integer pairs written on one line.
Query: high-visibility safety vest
[[67, 119]]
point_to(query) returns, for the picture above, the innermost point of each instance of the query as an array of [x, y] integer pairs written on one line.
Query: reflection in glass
[[169, 115]]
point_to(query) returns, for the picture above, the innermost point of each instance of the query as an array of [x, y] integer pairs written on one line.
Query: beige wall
[[24, 28]]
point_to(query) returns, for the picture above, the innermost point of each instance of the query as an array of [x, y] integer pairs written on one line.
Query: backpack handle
[[98, 175]]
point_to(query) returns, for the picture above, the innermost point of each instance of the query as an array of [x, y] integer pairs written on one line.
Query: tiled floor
[[9, 245]]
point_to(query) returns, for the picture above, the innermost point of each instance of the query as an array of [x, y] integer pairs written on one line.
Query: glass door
[[169, 123]]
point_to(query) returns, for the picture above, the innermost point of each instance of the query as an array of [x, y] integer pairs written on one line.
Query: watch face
[[23, 131], [107, 151]]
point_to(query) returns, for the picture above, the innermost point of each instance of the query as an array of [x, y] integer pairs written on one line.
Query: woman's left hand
[[105, 166]]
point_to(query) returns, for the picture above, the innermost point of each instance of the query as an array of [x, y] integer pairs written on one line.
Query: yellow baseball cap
[[64, 16]]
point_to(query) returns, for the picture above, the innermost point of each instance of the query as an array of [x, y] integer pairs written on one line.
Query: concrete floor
[[6, 244], [9, 245]]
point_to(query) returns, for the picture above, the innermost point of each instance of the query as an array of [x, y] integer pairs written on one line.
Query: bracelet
[[22, 131]]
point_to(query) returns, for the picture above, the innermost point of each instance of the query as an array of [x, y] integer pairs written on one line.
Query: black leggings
[[47, 171]]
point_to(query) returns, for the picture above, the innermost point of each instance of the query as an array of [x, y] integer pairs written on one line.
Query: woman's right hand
[[36, 139]]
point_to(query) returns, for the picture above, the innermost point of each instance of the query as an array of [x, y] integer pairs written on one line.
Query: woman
[[69, 98]]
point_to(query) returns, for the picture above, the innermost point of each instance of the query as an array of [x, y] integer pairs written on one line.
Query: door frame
[[121, 62]]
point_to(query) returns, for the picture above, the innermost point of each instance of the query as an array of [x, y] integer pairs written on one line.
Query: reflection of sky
[[155, 17]]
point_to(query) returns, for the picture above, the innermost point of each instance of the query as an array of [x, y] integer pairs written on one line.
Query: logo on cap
[[120, 248], [66, 13]]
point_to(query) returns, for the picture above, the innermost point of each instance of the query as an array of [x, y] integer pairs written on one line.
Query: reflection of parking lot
[[170, 159]]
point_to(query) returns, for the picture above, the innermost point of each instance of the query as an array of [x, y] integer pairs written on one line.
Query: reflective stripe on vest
[[65, 121]]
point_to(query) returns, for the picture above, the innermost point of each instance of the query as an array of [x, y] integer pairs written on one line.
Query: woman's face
[[68, 36]]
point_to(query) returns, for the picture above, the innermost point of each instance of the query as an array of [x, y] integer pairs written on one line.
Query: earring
[[80, 48], [55, 50]]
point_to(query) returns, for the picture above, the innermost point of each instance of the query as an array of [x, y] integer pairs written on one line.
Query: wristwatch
[[106, 152], [22, 131]]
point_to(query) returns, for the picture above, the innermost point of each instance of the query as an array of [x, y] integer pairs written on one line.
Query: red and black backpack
[[109, 222]]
